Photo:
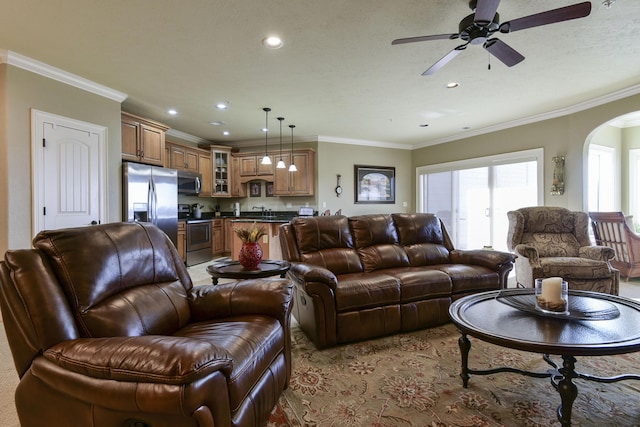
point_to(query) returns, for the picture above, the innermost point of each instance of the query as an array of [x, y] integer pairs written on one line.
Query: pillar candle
[[552, 289]]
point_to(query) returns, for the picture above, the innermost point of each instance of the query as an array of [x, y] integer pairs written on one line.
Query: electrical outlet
[[324, 205], [289, 206], [404, 204]]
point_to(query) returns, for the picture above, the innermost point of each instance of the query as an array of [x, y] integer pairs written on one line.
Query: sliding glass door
[[473, 197]]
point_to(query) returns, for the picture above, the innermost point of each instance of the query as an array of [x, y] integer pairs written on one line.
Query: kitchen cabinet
[[192, 159], [251, 167], [238, 188], [228, 235], [221, 171], [183, 158], [143, 140], [299, 183], [182, 240], [217, 243]]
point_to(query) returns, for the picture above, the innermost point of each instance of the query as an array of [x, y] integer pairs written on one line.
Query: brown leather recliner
[[107, 329]]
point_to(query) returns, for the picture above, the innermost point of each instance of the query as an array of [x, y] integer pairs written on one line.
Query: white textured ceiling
[[337, 74]]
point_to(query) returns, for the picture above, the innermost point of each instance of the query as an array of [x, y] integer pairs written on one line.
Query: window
[[602, 179], [472, 197]]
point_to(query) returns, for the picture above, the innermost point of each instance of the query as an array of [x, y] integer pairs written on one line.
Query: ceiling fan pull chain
[[489, 62]]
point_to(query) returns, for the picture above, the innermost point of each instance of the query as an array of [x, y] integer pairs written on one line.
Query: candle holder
[[552, 295]]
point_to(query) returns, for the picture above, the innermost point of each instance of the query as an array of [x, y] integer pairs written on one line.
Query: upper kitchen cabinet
[[192, 159], [143, 140], [238, 188], [183, 158], [299, 183], [251, 167], [222, 173]]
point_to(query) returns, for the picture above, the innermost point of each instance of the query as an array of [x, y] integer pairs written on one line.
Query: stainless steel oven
[[199, 240]]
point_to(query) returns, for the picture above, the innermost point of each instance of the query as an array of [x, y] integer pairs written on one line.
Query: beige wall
[[340, 159], [24, 91], [564, 136]]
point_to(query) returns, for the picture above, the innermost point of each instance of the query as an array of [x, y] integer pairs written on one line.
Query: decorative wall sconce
[[557, 188]]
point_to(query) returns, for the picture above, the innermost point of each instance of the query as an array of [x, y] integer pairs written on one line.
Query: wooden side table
[[234, 270]]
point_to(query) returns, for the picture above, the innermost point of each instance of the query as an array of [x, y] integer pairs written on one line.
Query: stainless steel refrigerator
[[150, 194]]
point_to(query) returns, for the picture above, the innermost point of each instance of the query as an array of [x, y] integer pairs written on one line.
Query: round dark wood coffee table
[[234, 270], [485, 317]]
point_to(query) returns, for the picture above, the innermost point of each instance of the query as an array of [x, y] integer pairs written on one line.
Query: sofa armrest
[[267, 296], [495, 260], [149, 358], [598, 253], [303, 273]]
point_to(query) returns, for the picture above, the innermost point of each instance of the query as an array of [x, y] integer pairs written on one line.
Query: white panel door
[[68, 172]]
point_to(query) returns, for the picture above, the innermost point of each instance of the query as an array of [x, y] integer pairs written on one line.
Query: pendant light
[[266, 160], [280, 164], [292, 166]]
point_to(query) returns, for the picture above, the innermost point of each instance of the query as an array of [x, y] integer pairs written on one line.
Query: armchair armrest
[[598, 253], [495, 260], [529, 252], [267, 296], [150, 358]]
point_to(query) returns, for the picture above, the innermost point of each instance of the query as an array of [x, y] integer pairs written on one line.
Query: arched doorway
[[612, 172]]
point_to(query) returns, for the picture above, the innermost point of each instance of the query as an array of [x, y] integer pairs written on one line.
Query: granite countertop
[[273, 216]]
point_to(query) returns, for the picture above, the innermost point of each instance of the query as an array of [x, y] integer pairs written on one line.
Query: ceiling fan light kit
[[479, 28]]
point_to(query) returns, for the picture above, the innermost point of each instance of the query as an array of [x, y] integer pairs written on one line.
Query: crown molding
[[592, 103], [40, 68], [349, 141], [186, 136]]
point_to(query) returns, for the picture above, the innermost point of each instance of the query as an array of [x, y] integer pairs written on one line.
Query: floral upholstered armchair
[[554, 242]]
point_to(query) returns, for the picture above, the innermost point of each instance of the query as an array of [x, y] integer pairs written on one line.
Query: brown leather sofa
[[371, 275], [106, 329]]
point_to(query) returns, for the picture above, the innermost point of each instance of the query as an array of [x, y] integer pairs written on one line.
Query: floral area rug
[[413, 380]]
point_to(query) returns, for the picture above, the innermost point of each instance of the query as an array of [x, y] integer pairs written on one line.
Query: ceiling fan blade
[[505, 53], [485, 11], [444, 60], [579, 10], [425, 38]]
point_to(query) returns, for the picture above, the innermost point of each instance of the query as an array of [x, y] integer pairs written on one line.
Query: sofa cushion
[[574, 268], [326, 241], [466, 279], [418, 228], [359, 291], [553, 244], [374, 229], [378, 257], [417, 283]]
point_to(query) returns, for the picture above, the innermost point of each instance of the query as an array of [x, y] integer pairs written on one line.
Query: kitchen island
[[269, 243]]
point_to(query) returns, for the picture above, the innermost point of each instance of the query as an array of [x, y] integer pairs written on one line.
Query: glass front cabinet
[[221, 171]]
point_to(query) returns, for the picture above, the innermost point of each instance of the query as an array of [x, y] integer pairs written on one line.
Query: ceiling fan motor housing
[[477, 34]]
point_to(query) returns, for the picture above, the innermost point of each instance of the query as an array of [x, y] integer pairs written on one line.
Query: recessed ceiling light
[[172, 112], [272, 42], [222, 105], [226, 133], [218, 123], [452, 85]]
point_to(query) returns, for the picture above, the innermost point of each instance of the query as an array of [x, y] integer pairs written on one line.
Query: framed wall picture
[[255, 189], [375, 184], [268, 189]]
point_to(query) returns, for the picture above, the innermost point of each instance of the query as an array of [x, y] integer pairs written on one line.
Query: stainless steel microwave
[[189, 183]]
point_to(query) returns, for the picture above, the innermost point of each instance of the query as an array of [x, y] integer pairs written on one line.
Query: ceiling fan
[[479, 27]]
